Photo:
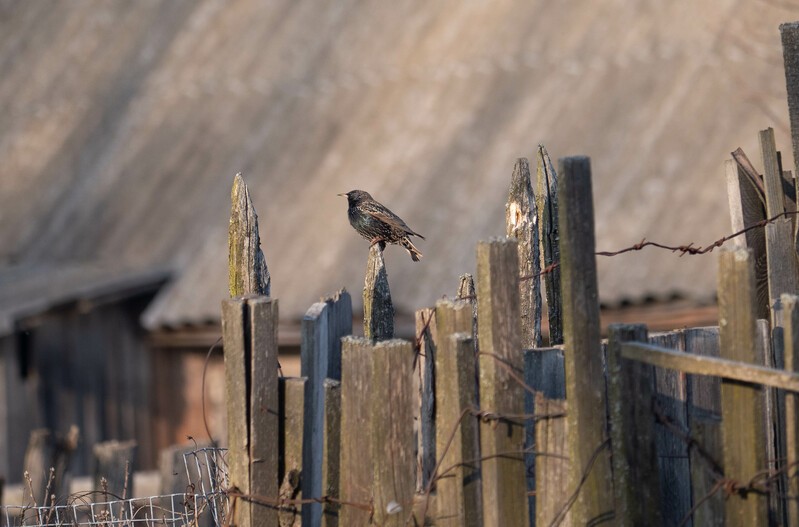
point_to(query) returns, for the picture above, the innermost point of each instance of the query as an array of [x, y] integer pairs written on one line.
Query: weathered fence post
[[585, 384], [249, 330], [323, 326], [741, 404], [390, 432], [356, 457], [378, 309], [748, 207], [632, 430], [790, 305], [704, 425], [291, 441], [521, 223], [427, 342], [247, 270], [457, 435], [331, 455], [673, 459], [547, 457], [377, 440], [780, 249], [547, 205], [501, 442]]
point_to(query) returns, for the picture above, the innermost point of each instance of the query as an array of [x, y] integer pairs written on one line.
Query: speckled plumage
[[375, 222]]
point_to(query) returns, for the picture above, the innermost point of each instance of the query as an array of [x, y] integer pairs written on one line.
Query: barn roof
[[124, 123]]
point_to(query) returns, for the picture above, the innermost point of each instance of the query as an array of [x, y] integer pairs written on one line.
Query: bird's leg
[[378, 239]]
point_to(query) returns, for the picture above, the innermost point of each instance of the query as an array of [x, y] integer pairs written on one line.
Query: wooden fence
[[475, 423]]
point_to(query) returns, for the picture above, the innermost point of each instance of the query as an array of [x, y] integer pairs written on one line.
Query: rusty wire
[[689, 249]]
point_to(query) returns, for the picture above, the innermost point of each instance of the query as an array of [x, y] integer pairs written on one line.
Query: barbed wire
[[689, 249]]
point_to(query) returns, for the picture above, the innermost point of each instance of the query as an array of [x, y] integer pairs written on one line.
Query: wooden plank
[[704, 420], [264, 405], [292, 407], [543, 372], [390, 432], [521, 223], [458, 500], [323, 326], [552, 465], [790, 53], [772, 175], [585, 385], [247, 270], [331, 442], [425, 376], [783, 276], [770, 353], [114, 461], [502, 444], [234, 316], [748, 208], [744, 452], [378, 309], [547, 204], [706, 431], [698, 365], [790, 305], [636, 482], [704, 392], [674, 466], [356, 458]]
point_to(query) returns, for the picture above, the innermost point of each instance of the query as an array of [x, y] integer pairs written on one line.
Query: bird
[[375, 222]]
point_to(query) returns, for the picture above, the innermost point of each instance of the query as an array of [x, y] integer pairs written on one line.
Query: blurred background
[[123, 124]]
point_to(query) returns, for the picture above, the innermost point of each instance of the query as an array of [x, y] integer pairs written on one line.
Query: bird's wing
[[381, 213]]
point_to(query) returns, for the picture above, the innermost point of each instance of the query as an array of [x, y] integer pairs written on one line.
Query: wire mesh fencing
[[203, 504]]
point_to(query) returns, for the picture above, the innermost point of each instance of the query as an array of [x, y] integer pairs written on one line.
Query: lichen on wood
[[247, 270]]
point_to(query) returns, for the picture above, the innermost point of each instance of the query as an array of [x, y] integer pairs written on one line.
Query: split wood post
[[247, 270], [704, 425], [546, 459], [521, 223], [356, 458], [331, 452], [585, 378], [743, 435], [249, 329], [390, 432], [114, 462], [292, 407], [425, 375], [501, 366], [636, 483], [672, 451], [378, 309], [547, 205], [748, 207], [323, 326], [458, 500], [790, 305]]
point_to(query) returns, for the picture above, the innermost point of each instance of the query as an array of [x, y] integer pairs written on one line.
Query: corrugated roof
[[30, 290], [124, 123]]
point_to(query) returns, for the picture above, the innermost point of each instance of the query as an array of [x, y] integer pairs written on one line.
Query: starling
[[377, 224]]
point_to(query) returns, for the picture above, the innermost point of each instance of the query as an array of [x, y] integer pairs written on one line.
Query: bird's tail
[[411, 248]]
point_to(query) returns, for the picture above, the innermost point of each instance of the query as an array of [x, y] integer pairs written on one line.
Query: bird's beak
[[344, 194]]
